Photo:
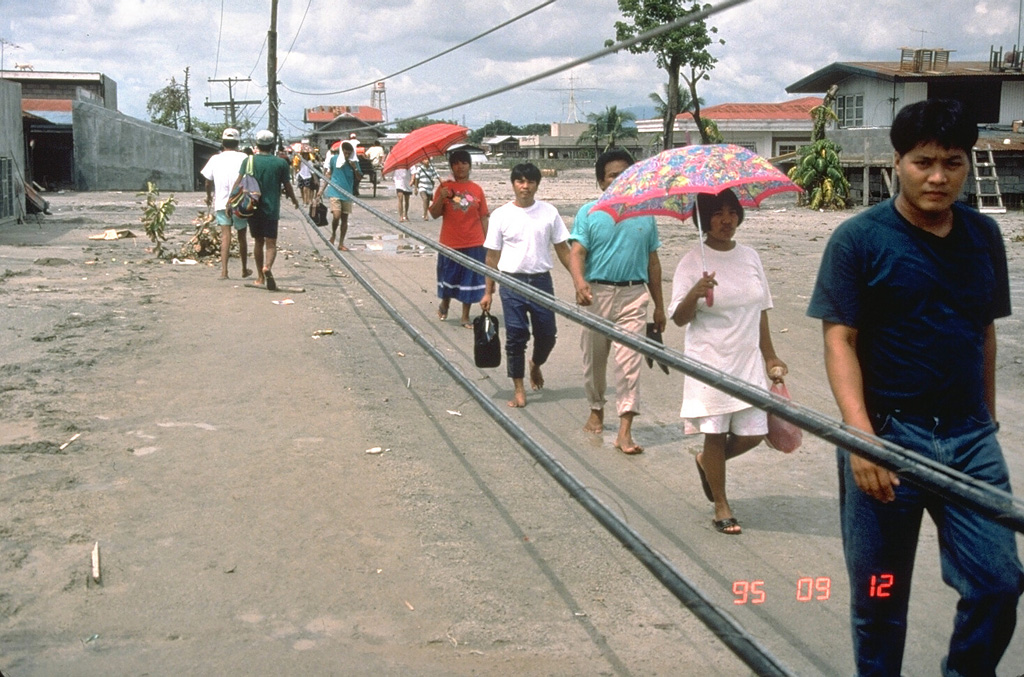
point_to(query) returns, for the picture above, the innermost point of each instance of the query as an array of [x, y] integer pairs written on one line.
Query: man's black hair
[[611, 156], [230, 144], [707, 205], [459, 155], [526, 170], [944, 121], [346, 152]]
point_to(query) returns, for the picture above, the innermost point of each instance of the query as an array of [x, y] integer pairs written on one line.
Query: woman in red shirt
[[463, 207]]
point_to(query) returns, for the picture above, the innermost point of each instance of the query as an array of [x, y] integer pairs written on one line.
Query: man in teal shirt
[[616, 271], [273, 174]]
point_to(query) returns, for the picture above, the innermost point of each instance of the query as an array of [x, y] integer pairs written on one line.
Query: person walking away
[[617, 273], [425, 179], [220, 173], [304, 172], [732, 335], [403, 191], [272, 174], [342, 176], [520, 237], [463, 208], [908, 293]]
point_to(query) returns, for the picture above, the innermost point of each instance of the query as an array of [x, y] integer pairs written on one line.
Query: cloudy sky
[[328, 45]]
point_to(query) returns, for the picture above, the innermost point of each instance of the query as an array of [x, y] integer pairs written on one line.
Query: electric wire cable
[[703, 14], [998, 505], [744, 645], [427, 60]]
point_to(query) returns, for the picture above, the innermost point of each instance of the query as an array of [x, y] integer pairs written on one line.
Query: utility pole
[[231, 105], [188, 105], [272, 69]]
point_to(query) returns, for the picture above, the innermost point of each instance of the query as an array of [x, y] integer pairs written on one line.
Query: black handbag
[[486, 341], [318, 212]]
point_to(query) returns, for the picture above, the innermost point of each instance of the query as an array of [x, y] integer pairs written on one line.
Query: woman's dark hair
[[526, 170], [944, 121], [346, 149], [459, 156], [707, 205], [611, 156]]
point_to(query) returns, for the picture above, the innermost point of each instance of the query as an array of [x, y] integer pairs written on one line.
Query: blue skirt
[[455, 281]]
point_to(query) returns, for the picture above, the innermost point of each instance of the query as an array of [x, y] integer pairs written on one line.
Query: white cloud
[[770, 44]]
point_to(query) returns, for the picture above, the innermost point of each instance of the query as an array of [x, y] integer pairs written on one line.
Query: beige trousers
[[627, 308]]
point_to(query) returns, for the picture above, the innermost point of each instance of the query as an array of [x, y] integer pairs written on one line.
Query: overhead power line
[[625, 44], [428, 60]]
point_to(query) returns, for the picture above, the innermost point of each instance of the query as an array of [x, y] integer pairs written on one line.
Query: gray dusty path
[[222, 466]]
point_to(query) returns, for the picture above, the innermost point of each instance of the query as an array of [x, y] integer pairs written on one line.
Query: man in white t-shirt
[[220, 173], [519, 240]]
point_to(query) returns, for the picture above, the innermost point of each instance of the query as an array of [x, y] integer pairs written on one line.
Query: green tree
[[710, 133], [820, 174], [535, 129], [168, 106], [823, 114], [819, 170], [406, 126], [681, 53], [214, 130], [493, 128], [608, 127], [684, 104]]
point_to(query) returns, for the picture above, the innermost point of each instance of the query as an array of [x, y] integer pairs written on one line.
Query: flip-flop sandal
[[704, 481], [721, 526], [271, 285], [442, 314]]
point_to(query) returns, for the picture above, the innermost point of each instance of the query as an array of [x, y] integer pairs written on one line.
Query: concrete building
[[563, 144], [869, 94], [768, 129], [76, 139]]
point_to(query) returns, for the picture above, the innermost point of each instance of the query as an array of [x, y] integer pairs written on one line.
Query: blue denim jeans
[[978, 557], [520, 313]]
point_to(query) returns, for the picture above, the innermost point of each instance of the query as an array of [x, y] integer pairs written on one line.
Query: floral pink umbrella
[[668, 183]]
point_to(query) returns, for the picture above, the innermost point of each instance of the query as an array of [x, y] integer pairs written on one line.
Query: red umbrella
[[425, 142]]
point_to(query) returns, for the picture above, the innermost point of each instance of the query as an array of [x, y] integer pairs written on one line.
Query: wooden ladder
[[986, 182]]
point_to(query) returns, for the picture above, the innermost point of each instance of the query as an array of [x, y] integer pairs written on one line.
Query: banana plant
[[820, 174], [155, 215]]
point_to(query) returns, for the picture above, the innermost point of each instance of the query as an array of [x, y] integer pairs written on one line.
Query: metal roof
[[795, 109], [891, 71]]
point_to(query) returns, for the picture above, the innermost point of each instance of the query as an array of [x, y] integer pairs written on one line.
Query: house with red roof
[[768, 129], [336, 123]]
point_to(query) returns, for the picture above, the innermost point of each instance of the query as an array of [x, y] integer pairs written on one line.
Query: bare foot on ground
[[536, 377], [627, 446], [247, 272], [595, 423], [518, 400]]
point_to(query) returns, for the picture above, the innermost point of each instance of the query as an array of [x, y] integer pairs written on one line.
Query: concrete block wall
[[12, 148], [117, 152]]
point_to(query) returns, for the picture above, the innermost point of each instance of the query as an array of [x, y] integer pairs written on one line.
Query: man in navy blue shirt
[[907, 293]]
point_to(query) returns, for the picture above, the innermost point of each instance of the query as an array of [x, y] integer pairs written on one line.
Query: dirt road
[[222, 466]]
